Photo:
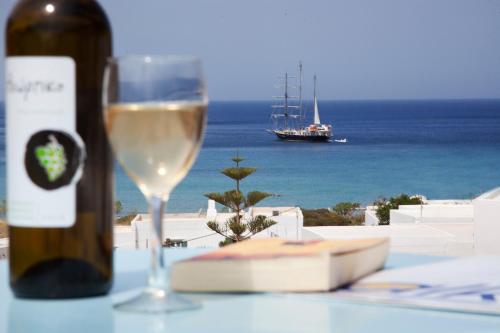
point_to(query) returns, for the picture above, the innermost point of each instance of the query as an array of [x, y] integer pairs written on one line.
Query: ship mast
[[287, 113], [286, 100], [302, 116], [317, 121]]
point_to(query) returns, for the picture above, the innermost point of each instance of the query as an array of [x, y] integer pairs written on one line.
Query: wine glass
[[155, 111]]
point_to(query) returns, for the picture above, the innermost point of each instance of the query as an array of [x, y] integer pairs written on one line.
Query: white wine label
[[44, 153]]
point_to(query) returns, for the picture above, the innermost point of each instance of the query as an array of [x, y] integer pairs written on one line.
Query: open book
[[280, 265], [469, 284]]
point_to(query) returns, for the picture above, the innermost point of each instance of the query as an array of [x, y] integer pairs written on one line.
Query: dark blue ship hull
[[295, 137]]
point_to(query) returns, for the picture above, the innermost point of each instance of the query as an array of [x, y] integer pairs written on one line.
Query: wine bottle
[[59, 164]]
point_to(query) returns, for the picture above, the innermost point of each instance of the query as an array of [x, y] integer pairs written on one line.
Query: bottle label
[[45, 155]]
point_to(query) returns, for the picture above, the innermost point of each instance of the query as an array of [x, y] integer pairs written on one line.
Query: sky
[[360, 49]]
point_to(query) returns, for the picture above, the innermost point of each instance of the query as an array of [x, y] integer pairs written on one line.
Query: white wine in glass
[[157, 143], [155, 114]]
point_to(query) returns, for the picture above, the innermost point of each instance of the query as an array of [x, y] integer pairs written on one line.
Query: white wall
[[288, 226], [397, 217], [370, 216], [487, 223], [195, 231], [417, 238], [433, 213]]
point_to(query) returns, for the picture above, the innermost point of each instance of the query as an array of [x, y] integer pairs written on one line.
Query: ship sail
[[317, 121]]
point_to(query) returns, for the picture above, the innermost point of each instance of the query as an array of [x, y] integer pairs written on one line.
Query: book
[[279, 265], [470, 284]]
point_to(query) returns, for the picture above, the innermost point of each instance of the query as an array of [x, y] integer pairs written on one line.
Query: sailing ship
[[288, 120]]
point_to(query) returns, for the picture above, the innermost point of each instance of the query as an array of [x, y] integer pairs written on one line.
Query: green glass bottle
[[59, 164]]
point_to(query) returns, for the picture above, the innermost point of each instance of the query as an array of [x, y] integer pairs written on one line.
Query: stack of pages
[[279, 265]]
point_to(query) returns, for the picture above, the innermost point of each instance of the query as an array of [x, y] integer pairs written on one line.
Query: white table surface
[[226, 313]]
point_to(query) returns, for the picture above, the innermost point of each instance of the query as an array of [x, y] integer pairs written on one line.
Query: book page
[[466, 285]]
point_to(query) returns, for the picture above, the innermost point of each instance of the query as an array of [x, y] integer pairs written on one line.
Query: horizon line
[[363, 100]]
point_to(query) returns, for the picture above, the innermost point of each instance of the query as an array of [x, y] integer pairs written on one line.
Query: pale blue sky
[[360, 49]]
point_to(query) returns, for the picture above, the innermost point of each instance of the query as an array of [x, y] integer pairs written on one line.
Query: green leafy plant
[[3, 207], [326, 217], [118, 207], [237, 227], [346, 208], [3, 229], [127, 219], [384, 206]]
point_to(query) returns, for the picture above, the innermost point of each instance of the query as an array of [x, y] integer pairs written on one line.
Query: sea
[[443, 149]]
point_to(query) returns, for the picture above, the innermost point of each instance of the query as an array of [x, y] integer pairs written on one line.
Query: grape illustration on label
[[52, 158]]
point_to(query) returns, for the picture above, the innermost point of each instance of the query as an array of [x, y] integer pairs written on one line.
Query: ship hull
[[296, 137]]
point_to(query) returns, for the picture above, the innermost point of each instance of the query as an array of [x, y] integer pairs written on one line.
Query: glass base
[[157, 301]]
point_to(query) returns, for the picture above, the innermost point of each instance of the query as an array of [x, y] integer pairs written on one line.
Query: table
[[226, 313]]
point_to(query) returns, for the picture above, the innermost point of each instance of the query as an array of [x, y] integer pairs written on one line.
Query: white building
[[487, 222], [434, 211], [460, 226], [439, 227], [431, 211], [192, 227], [426, 239]]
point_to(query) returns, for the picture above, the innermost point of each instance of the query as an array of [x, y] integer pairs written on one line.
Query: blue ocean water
[[441, 149]]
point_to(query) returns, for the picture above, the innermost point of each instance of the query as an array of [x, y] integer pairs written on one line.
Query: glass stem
[[158, 275]]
